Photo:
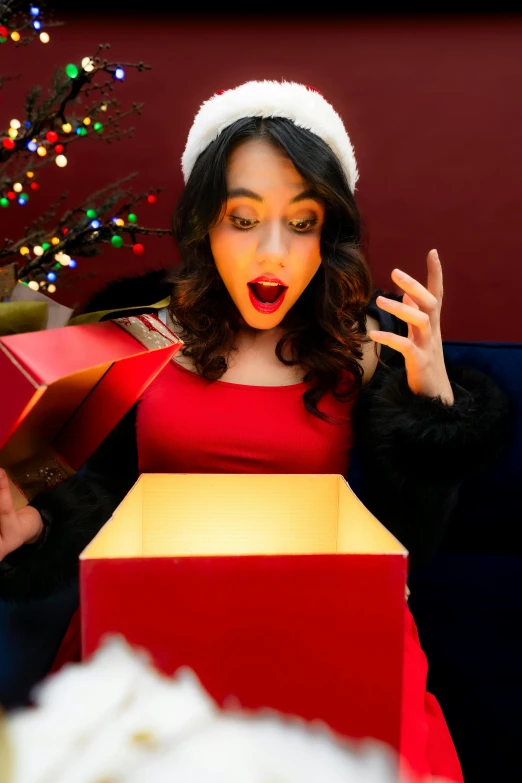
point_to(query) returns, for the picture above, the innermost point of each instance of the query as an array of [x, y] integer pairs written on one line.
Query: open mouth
[[266, 296]]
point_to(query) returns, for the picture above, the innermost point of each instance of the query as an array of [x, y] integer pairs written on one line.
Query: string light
[[152, 199], [61, 161], [33, 284], [103, 107], [119, 73], [13, 133], [55, 241], [81, 131], [98, 127], [138, 249], [91, 213], [8, 144], [45, 37], [116, 241], [51, 136], [95, 223], [42, 152], [51, 276], [87, 65], [24, 251], [46, 245], [132, 218], [34, 185], [35, 11], [62, 258], [32, 146], [58, 148], [15, 124], [23, 198], [37, 25], [72, 263], [18, 187], [71, 70], [119, 222], [11, 195], [4, 202], [87, 121], [3, 34], [15, 36], [51, 288], [29, 174], [67, 127], [38, 250]]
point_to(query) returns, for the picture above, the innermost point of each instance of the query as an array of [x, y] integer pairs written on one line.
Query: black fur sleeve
[[73, 512], [414, 451]]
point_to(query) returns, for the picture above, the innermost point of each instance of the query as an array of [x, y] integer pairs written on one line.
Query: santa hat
[[303, 105]]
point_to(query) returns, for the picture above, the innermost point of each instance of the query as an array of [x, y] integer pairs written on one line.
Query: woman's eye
[[303, 225], [242, 223]]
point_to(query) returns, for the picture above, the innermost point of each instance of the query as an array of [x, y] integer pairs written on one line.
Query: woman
[[281, 369]]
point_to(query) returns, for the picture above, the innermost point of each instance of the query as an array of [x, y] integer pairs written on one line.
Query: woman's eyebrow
[[246, 193]]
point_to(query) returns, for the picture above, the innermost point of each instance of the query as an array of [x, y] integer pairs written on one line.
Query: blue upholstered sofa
[[467, 603]]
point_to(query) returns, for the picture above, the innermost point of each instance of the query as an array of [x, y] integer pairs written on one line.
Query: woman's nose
[[272, 243]]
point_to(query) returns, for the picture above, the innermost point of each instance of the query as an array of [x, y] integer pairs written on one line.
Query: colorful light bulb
[[119, 73], [87, 121], [32, 146], [4, 202], [51, 288], [8, 144], [138, 249], [51, 136], [18, 187], [72, 263], [61, 161], [29, 174], [35, 11], [23, 198], [15, 36], [42, 152], [24, 251], [132, 218], [71, 70], [87, 65], [67, 127], [152, 198], [45, 37], [91, 214], [116, 241], [51, 276], [98, 127], [33, 284], [55, 241], [95, 224], [38, 250], [37, 24], [15, 124], [81, 131], [12, 133], [34, 185]]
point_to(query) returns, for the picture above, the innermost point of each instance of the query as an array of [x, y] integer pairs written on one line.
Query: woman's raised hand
[[422, 348], [17, 526]]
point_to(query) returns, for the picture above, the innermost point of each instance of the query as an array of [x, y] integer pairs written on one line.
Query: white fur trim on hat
[[303, 105]]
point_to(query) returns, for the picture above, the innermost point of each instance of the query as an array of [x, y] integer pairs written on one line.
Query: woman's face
[[267, 245]]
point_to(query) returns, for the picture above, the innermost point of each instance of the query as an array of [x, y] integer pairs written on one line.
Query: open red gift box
[[63, 390], [279, 591]]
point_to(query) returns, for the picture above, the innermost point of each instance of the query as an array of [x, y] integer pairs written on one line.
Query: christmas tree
[[80, 108]]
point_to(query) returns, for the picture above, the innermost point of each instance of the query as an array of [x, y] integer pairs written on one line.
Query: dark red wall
[[432, 105]]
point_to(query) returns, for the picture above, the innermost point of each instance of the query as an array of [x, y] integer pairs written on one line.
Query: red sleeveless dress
[[186, 424]]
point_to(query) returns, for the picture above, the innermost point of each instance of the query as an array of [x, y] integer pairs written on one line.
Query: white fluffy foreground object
[[115, 719]]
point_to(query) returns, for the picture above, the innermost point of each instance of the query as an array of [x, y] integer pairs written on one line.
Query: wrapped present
[[65, 389], [278, 590]]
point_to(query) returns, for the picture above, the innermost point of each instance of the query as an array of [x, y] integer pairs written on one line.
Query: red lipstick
[[258, 296]]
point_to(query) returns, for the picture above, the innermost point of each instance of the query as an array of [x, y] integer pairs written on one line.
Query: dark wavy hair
[[325, 329]]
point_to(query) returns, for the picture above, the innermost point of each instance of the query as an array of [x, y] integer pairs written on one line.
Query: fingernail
[[399, 275], [436, 256]]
